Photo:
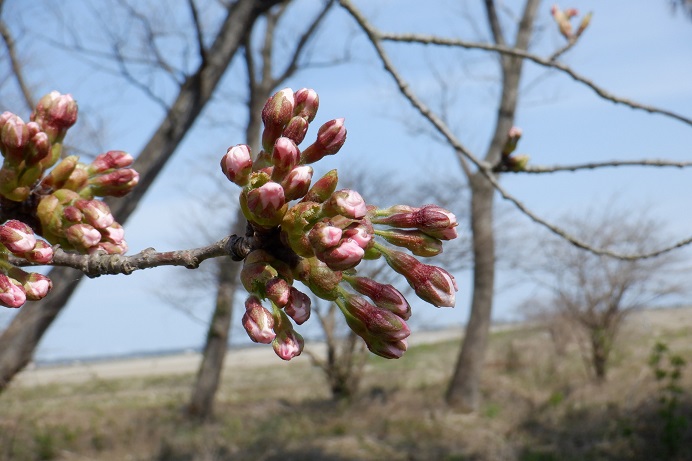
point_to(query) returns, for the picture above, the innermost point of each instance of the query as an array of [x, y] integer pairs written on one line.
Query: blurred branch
[[612, 163], [16, 66], [198, 31], [376, 37]]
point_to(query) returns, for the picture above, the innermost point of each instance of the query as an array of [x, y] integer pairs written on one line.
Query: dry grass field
[[538, 405]]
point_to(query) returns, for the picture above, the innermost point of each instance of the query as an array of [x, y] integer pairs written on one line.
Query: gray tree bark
[[463, 390], [19, 340]]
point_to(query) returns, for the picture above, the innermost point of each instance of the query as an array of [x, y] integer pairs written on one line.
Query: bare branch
[[610, 164], [198, 31], [494, 22], [16, 66]]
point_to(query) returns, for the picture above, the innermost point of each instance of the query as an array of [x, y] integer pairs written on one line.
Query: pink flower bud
[[36, 286], [287, 343], [306, 104], [387, 349], [237, 164], [417, 242], [82, 236], [11, 295], [330, 137], [276, 113], [117, 183], [347, 203], [379, 322], [258, 321], [17, 237], [110, 248], [96, 213], [111, 160], [433, 220], [285, 156], [39, 147], [297, 182], [298, 306], [360, 234], [323, 188], [431, 284], [267, 200], [324, 235], [42, 253], [296, 129], [14, 136], [384, 296], [113, 233], [278, 291], [345, 256], [56, 110]]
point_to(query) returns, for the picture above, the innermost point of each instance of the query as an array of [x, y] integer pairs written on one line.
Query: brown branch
[[16, 66], [609, 164], [95, 265], [198, 30], [485, 169]]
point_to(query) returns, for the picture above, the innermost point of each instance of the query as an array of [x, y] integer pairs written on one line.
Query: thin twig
[[613, 163], [16, 66]]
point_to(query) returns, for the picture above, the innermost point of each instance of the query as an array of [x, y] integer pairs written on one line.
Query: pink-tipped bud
[[14, 136], [39, 147], [323, 188], [512, 139], [379, 322], [18, 237], [298, 306], [96, 213], [267, 201], [330, 137], [324, 235], [360, 233], [276, 113], [285, 156], [347, 255], [36, 286], [384, 296], [72, 214], [258, 321], [111, 160], [114, 233], [347, 203], [237, 164], [11, 294], [287, 343], [277, 290], [297, 182], [306, 104], [82, 236], [296, 129], [417, 242], [42, 253], [435, 221], [431, 283], [387, 349], [58, 111], [62, 171], [117, 183]]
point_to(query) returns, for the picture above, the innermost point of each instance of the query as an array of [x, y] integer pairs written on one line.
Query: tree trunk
[[19, 340], [600, 351], [463, 390]]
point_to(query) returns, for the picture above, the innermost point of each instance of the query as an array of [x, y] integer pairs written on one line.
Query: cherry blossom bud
[[431, 219], [379, 322], [258, 321], [255, 276], [387, 349], [431, 284], [113, 233], [298, 306], [323, 188], [278, 291], [42, 253], [62, 171], [39, 147], [55, 113], [14, 136], [562, 21], [111, 160], [82, 236], [96, 213], [265, 205], [360, 233], [237, 164], [110, 248], [117, 183], [285, 156], [296, 129], [11, 295], [17, 237], [36, 286], [346, 203], [417, 242], [306, 104], [584, 24], [512, 139], [287, 343], [297, 182], [517, 162], [317, 276], [330, 137], [78, 178], [384, 296], [276, 113], [72, 214], [324, 235], [347, 255]]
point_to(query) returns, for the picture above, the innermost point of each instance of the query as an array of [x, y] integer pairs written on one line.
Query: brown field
[[538, 405]]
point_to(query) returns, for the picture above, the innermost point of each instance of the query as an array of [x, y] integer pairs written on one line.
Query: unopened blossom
[[323, 188], [265, 204], [61, 172], [276, 114], [237, 164], [117, 183], [113, 233], [82, 236], [298, 307], [347, 203], [111, 160], [431, 219], [417, 242], [431, 283], [258, 321], [306, 104], [36, 286], [278, 291], [297, 182], [96, 212], [285, 156], [14, 136], [296, 129], [42, 253], [57, 110], [11, 295], [330, 137], [384, 296], [324, 235], [379, 322], [17, 236], [347, 255], [288, 343]]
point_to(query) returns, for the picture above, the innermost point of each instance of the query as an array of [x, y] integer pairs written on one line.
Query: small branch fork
[[376, 37], [98, 264]]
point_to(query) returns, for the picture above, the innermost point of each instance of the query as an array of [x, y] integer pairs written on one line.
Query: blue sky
[[635, 49]]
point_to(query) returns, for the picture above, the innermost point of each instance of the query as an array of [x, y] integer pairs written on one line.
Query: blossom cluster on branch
[[317, 235], [43, 193]]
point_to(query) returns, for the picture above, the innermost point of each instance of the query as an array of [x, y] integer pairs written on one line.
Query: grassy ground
[[537, 406]]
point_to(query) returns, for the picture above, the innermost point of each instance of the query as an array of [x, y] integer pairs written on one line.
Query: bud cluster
[[55, 195], [563, 20], [509, 161], [322, 236]]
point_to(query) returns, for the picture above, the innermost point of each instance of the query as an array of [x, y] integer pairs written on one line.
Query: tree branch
[[198, 31], [16, 66], [609, 164]]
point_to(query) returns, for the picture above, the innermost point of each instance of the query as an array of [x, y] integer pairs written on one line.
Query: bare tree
[[19, 340], [595, 292]]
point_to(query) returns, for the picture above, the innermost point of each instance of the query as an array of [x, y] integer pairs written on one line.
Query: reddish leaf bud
[[237, 164]]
